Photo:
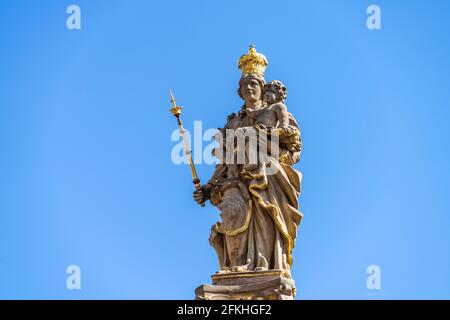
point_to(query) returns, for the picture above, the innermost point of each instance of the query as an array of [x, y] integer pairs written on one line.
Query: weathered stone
[[259, 206], [255, 285]]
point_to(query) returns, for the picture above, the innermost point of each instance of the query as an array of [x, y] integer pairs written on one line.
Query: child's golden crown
[[253, 62]]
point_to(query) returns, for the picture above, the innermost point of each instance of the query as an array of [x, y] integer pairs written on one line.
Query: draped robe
[[259, 211]]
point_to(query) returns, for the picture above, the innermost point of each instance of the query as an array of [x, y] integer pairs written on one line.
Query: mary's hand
[[202, 194]]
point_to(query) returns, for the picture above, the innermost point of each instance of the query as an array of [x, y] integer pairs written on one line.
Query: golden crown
[[253, 62]]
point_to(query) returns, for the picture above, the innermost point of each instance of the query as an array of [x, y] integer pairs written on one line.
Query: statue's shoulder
[[233, 118]]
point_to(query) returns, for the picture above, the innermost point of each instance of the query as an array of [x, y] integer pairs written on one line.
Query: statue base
[[250, 285]]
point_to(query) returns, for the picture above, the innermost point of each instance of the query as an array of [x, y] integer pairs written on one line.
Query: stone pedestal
[[253, 285]]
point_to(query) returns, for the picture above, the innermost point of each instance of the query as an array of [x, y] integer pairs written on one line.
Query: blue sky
[[87, 177]]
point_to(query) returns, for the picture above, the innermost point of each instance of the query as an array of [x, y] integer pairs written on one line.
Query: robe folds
[[259, 206]]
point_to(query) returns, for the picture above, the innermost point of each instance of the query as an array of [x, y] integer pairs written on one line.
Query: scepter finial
[[176, 110], [171, 96]]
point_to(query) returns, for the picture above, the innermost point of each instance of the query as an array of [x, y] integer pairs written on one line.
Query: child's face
[[270, 97]]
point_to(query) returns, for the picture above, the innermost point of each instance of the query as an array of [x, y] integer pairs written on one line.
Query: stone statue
[[258, 200]]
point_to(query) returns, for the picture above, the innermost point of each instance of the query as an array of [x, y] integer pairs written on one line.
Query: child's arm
[[289, 135], [282, 114]]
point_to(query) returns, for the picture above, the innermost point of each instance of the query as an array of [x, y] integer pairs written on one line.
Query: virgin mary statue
[[258, 202]]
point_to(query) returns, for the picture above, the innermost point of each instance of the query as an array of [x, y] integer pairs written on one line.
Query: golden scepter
[[176, 111]]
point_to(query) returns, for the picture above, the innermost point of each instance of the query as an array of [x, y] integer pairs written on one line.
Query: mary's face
[[251, 90]]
